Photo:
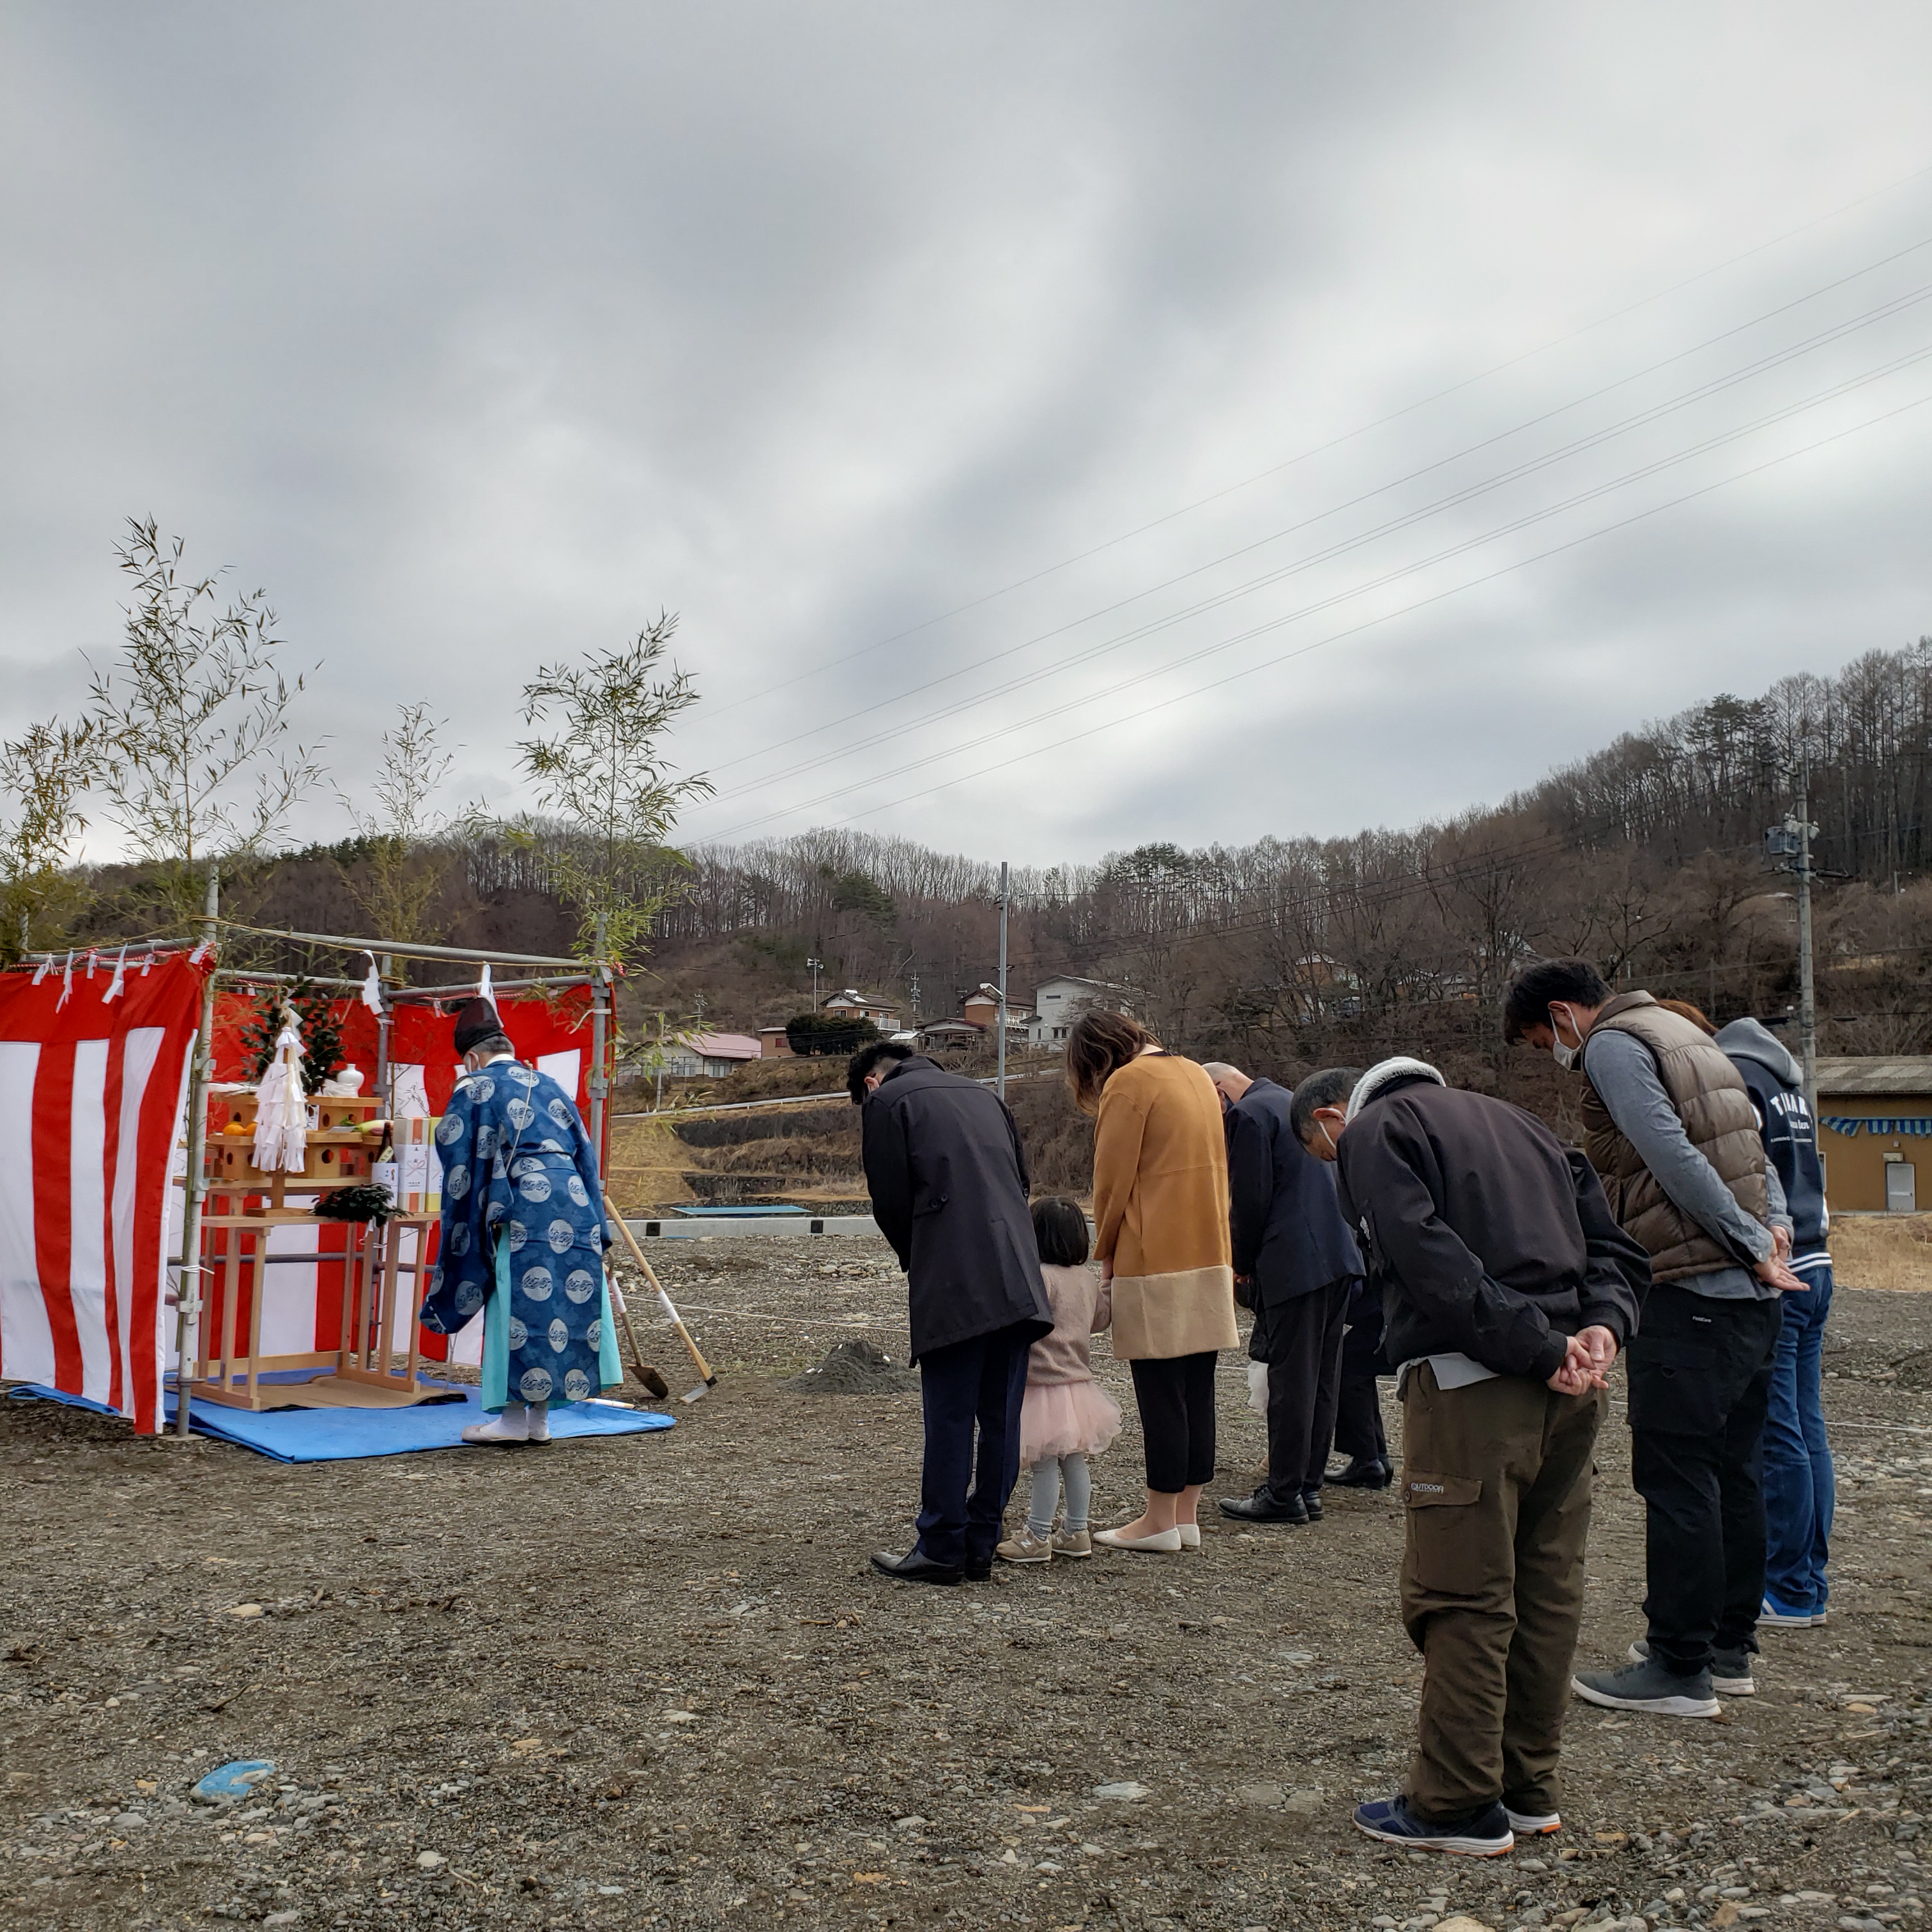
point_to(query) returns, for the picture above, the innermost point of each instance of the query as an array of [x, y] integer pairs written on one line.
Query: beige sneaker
[[1073, 1543], [1024, 1548]]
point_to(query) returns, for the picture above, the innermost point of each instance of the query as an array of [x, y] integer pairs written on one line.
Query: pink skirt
[[1067, 1419]]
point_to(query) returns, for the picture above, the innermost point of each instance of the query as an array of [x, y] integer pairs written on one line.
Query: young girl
[[1066, 1415]]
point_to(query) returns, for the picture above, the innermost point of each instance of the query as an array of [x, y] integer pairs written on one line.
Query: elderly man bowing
[[523, 1230], [948, 1180]]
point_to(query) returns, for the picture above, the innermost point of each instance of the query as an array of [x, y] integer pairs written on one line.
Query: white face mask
[[1334, 1152], [1565, 1057]]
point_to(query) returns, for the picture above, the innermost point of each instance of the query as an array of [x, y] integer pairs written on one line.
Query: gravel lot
[[650, 1681]]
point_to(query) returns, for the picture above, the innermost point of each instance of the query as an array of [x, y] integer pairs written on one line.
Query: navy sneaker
[[1485, 1834]]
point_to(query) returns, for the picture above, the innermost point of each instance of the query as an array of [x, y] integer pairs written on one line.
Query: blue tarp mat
[[339, 1434]]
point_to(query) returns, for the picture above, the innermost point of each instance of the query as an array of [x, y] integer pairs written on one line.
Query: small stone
[[678, 1718], [283, 1918], [429, 1862], [244, 1609], [1260, 1794], [1124, 1792], [129, 1821], [1462, 1922], [1302, 1802]]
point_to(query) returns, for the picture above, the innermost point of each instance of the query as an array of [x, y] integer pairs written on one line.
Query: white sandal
[[1163, 1542]]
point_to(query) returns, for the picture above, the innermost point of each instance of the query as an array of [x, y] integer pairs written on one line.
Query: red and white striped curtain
[[93, 1084]]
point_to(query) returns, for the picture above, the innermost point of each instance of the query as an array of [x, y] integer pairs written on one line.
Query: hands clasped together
[[1586, 1364]]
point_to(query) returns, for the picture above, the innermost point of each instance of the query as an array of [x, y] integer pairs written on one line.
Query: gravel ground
[[650, 1681]]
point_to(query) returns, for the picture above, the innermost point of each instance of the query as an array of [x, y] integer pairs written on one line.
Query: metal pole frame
[[187, 1280], [1807, 1007]]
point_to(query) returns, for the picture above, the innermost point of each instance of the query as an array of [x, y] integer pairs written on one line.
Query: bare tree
[[397, 881], [601, 776], [192, 725], [45, 773]]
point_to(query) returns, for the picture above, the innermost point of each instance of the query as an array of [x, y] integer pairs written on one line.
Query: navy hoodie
[[1790, 1135]]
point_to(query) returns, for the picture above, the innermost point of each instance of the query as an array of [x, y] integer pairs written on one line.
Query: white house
[[851, 1004], [1057, 1003], [708, 1056]]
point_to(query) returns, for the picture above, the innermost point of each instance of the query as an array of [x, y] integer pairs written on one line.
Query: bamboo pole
[[187, 1281]]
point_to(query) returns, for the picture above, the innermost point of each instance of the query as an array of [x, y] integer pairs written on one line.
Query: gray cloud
[[476, 333]]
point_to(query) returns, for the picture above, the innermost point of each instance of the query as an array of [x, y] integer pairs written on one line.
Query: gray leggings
[[1048, 1473]]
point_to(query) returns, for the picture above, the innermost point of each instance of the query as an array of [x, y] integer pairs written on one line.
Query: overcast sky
[[477, 333]]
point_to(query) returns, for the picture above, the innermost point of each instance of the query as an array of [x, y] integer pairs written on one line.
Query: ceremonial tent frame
[[546, 975]]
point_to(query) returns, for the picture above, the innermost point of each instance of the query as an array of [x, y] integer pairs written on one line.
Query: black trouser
[[1700, 1373], [1175, 1397], [1304, 1343], [1359, 1433], [980, 1381]]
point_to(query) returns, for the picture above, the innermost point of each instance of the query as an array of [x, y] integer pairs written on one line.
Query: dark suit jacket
[[948, 1179], [1288, 1231]]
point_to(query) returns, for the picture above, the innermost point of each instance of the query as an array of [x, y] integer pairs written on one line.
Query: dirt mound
[[854, 1368]]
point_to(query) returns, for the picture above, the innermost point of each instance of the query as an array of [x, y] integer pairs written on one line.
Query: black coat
[[948, 1179], [1289, 1232], [1486, 1235]]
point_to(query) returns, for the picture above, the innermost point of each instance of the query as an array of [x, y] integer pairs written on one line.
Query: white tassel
[[147, 965], [200, 952], [281, 1110], [66, 984], [117, 985], [483, 989], [93, 960], [372, 987], [41, 971]]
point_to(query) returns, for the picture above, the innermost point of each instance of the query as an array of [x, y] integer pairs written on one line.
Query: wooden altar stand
[[375, 1282]]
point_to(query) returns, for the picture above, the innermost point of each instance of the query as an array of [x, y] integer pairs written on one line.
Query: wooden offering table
[[382, 1274]]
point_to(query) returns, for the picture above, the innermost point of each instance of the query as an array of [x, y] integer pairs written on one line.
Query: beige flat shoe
[[1190, 1535], [1163, 1542]]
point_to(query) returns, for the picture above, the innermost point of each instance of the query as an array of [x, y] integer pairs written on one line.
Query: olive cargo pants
[[1496, 1479]]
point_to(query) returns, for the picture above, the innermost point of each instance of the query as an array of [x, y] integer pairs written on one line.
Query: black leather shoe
[[1262, 1507], [978, 1573], [914, 1567], [1371, 1474], [1311, 1500]]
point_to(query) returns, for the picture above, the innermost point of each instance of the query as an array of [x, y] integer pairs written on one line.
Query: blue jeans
[[1798, 1486]]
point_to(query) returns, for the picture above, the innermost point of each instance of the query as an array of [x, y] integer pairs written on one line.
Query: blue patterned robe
[[523, 1218]]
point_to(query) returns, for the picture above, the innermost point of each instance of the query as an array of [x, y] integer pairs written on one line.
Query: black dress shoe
[[981, 1572], [1311, 1500], [914, 1567], [1370, 1474], [1262, 1507]]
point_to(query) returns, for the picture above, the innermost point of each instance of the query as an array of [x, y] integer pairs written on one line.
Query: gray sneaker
[[1648, 1686], [1730, 1669]]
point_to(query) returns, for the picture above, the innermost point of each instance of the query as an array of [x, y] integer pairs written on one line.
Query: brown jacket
[[1160, 1210], [1714, 1104]]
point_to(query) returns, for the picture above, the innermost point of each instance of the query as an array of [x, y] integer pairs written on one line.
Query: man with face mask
[[1508, 1289], [1669, 1125]]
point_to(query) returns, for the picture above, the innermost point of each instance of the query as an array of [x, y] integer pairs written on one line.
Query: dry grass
[[1882, 1250]]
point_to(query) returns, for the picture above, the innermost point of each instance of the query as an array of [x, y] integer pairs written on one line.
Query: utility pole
[[1807, 1007], [1792, 842], [814, 964], [999, 1085]]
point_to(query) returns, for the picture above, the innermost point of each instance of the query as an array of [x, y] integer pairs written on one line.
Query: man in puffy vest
[[1668, 1125]]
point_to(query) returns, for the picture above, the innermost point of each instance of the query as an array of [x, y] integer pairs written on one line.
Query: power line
[[1467, 494], [1407, 570], [1336, 443]]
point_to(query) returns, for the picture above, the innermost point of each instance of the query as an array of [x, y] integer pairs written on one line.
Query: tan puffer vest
[[1714, 1104]]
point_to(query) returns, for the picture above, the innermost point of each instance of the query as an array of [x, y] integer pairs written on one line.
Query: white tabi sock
[[512, 1426], [539, 1422]]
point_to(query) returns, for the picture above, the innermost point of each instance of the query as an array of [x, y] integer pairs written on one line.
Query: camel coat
[[1160, 1210]]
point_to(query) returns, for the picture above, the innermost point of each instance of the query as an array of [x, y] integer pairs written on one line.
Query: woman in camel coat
[[1160, 1211]]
